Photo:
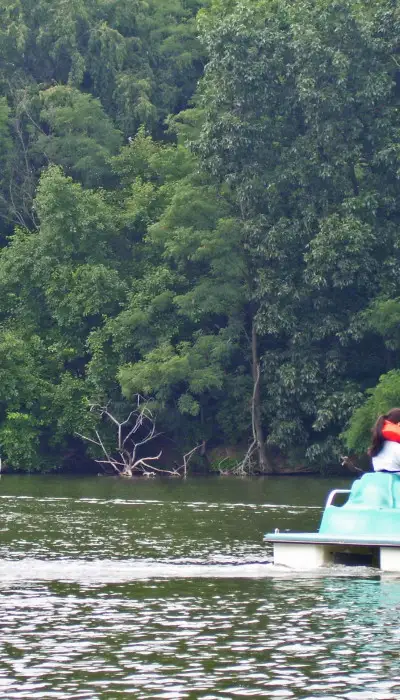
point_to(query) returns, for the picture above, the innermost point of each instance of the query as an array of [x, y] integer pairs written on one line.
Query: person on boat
[[385, 444]]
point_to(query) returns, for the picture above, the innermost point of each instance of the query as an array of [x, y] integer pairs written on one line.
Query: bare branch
[[107, 461], [84, 437], [134, 430], [151, 436], [147, 459], [188, 456], [245, 466]]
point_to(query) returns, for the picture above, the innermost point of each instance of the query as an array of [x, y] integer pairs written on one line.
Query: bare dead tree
[[182, 469], [246, 466], [243, 467], [132, 433]]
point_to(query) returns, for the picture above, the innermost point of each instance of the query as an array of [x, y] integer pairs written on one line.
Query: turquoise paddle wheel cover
[[372, 508]]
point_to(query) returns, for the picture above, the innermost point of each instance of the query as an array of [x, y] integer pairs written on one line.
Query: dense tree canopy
[[229, 248], [301, 118]]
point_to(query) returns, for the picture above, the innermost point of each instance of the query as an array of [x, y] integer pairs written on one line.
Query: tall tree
[[57, 285], [181, 338], [300, 121]]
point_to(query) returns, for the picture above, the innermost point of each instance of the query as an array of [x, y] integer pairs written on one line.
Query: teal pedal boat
[[365, 530]]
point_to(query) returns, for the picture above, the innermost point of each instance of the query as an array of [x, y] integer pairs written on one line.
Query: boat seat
[[375, 490]]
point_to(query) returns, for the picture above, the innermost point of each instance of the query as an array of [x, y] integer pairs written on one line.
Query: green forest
[[199, 204]]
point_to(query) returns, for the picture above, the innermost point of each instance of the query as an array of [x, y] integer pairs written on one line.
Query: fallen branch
[[350, 464]]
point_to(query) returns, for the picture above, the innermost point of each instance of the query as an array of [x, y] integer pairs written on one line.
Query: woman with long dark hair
[[385, 444]]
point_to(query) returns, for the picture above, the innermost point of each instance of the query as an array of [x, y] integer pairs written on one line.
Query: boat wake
[[104, 571]]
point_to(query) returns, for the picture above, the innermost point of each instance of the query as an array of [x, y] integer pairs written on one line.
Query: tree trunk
[[264, 462]]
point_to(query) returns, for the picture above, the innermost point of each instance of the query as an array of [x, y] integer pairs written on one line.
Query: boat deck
[[318, 538]]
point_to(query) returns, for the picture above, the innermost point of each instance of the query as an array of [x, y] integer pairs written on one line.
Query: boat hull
[[313, 550]]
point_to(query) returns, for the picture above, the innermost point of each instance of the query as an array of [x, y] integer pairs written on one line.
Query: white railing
[[333, 494]]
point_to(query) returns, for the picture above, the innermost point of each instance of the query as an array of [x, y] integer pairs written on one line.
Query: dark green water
[[163, 589]]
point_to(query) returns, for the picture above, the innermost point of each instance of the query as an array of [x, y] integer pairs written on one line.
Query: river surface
[[164, 589]]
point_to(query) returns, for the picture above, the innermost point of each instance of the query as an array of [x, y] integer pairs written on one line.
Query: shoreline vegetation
[[200, 205]]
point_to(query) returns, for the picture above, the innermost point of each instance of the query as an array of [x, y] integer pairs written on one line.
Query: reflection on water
[[165, 595]]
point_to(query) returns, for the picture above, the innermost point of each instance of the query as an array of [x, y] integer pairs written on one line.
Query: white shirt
[[388, 459]]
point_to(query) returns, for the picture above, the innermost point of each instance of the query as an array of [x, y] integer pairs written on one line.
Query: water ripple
[[107, 598], [200, 639]]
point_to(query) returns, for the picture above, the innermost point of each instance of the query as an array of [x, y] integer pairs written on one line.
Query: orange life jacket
[[391, 431]]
